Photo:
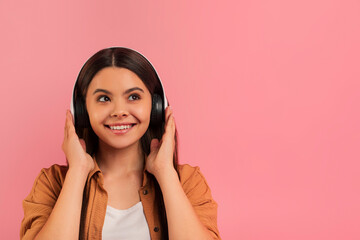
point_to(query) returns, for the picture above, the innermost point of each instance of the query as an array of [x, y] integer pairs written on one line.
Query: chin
[[120, 145]]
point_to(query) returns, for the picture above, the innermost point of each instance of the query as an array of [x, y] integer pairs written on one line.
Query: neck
[[120, 161]]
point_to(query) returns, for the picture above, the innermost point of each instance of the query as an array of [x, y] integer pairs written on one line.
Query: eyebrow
[[126, 92]]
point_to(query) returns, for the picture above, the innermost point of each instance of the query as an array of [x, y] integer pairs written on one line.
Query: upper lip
[[120, 124]]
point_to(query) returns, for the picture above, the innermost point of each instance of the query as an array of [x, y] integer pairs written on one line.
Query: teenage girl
[[122, 180]]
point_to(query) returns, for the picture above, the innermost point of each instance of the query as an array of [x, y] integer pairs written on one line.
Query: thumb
[[154, 144], [83, 144]]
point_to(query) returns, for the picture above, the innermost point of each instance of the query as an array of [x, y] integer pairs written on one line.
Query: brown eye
[[137, 97], [103, 98]]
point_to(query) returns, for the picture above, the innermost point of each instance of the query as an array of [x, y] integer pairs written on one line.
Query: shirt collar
[[95, 170], [145, 178]]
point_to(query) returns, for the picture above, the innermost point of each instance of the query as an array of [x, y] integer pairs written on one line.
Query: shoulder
[[199, 194], [41, 199], [193, 180], [54, 174], [48, 182], [55, 171], [187, 172]]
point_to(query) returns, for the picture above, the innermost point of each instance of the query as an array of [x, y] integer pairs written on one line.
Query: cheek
[[93, 118], [94, 114], [143, 112]]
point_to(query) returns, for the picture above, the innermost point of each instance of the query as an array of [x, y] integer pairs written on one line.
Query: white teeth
[[120, 127]]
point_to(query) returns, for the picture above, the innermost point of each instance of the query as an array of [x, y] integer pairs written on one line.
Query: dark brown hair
[[135, 62]]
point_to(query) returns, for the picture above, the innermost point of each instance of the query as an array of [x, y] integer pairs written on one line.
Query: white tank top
[[125, 224]]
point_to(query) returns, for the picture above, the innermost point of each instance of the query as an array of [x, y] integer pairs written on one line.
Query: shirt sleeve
[[39, 203], [199, 194]]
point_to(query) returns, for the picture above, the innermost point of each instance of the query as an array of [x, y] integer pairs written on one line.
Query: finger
[[172, 120], [170, 117], [66, 125], [72, 118], [168, 111], [69, 123], [170, 127], [172, 123]]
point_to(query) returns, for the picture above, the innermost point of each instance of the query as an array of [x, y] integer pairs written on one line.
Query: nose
[[119, 110]]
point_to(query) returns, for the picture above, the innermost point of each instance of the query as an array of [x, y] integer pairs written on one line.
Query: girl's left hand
[[161, 154]]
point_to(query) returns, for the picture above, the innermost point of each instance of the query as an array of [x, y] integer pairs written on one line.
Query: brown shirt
[[47, 186]]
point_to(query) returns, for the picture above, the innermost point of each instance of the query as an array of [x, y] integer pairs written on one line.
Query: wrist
[[82, 171], [165, 175]]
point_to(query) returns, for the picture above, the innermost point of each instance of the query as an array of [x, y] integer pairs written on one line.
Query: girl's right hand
[[75, 148]]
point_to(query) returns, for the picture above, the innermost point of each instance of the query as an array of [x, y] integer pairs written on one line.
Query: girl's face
[[118, 97]]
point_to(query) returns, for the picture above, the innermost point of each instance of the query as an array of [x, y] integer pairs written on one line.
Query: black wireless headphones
[[157, 110]]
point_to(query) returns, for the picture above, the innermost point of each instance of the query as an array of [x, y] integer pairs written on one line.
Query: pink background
[[265, 96]]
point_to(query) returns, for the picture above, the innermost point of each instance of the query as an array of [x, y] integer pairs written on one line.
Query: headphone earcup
[[80, 115], [157, 111]]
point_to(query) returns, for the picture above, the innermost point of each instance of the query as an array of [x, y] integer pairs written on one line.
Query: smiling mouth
[[120, 127]]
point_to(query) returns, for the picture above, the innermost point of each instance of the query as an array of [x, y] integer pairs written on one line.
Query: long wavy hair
[[137, 63]]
